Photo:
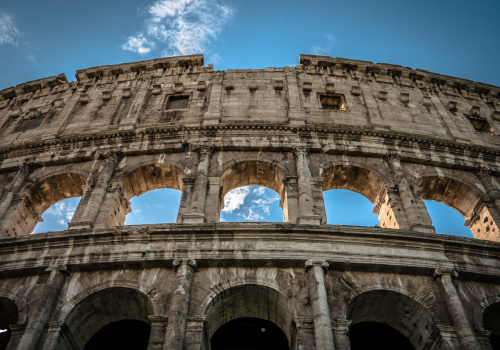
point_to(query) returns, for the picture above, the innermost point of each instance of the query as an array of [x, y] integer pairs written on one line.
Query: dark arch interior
[[121, 335], [491, 322], [249, 333], [8, 316], [375, 335]]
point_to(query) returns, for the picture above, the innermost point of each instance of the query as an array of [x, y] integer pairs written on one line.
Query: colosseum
[[396, 135]]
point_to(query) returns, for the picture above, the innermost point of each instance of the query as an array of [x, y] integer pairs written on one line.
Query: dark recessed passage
[[177, 102], [249, 333], [121, 335], [332, 102], [374, 336]]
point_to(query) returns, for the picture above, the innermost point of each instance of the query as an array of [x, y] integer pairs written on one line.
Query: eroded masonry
[[395, 135]]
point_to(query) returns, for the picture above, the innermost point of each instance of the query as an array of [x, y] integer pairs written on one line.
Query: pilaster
[[323, 335], [306, 204], [456, 310], [176, 328]]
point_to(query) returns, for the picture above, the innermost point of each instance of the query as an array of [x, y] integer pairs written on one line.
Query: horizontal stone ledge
[[417, 267]]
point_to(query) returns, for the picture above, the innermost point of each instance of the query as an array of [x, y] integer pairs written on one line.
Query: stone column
[[419, 220], [318, 199], [304, 339], [306, 204], [296, 115], [194, 333], [98, 193], [158, 332], [213, 114], [176, 328], [187, 194], [484, 339], [58, 332], [341, 334], [16, 335], [323, 336], [41, 315], [493, 192], [456, 310], [197, 215], [22, 174], [290, 201]]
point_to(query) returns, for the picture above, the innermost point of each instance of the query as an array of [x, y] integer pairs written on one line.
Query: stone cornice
[[175, 135], [363, 67], [290, 245]]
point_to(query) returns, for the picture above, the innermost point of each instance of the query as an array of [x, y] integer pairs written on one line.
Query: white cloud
[[259, 191], [235, 199], [9, 33], [325, 47], [253, 216], [182, 27], [138, 44]]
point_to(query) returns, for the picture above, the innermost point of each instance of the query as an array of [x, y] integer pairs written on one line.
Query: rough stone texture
[[394, 134]]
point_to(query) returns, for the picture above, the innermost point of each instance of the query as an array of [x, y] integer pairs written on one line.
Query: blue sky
[[45, 38]]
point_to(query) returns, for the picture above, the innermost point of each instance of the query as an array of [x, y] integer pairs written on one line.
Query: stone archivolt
[[397, 136]]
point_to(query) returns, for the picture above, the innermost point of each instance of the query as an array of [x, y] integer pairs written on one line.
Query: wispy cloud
[[235, 199], [181, 27], [62, 212], [249, 203], [324, 47], [138, 44], [9, 34]]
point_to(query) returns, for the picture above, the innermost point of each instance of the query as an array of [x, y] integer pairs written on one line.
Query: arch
[[21, 305], [406, 315], [9, 315], [467, 200], [366, 182], [41, 195], [251, 173], [249, 300], [139, 180], [104, 307], [151, 177], [480, 307]]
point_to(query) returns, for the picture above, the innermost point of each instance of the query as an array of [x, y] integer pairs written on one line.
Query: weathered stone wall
[[395, 135]]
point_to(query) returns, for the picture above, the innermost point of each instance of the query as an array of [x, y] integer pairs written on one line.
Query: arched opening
[[447, 220], [154, 207], [253, 173], [8, 316], [377, 310], [243, 309], [364, 182], [256, 333], [98, 316], [466, 201], [155, 186], [121, 335], [344, 207], [251, 203], [58, 216], [41, 197], [374, 335], [491, 322]]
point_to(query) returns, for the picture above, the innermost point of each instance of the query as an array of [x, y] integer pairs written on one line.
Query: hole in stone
[[332, 102], [177, 102], [251, 203], [154, 207], [57, 217]]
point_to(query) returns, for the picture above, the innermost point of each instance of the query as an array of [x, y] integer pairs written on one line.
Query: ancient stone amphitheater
[[393, 134]]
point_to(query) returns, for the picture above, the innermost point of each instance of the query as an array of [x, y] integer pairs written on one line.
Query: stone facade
[[394, 134]]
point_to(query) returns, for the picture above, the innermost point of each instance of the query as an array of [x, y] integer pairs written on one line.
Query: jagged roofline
[[309, 61]]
